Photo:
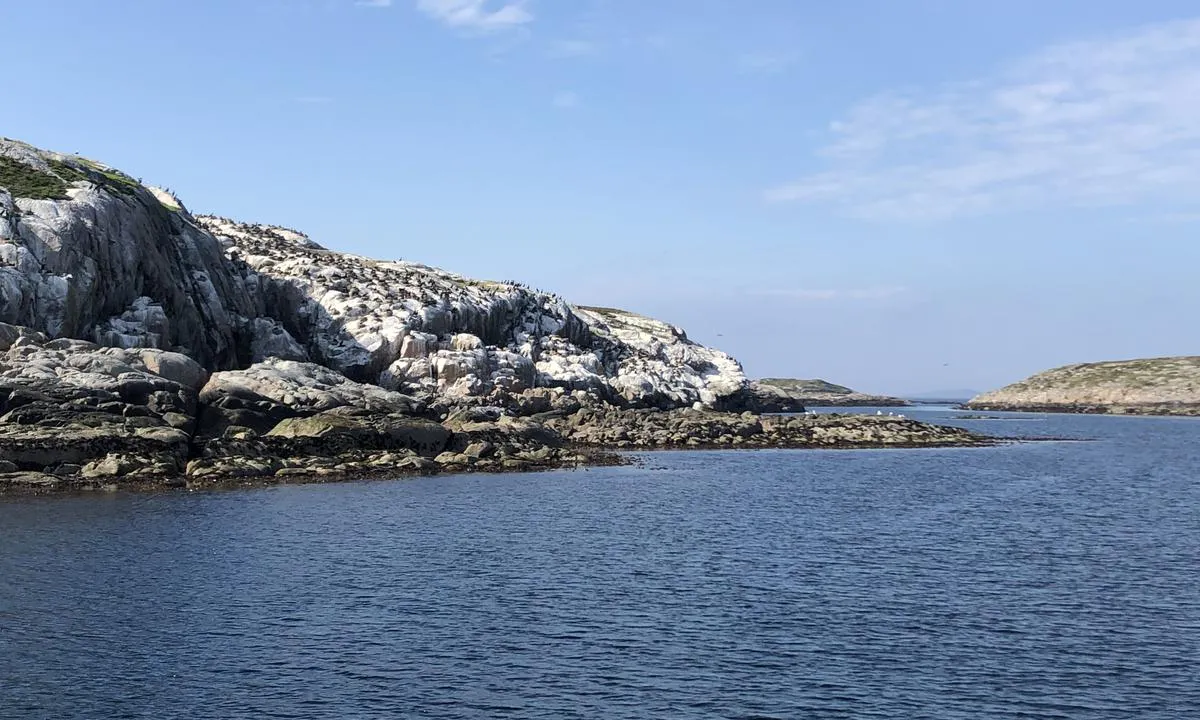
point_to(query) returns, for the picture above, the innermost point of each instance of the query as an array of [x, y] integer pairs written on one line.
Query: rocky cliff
[[88, 252], [1167, 386]]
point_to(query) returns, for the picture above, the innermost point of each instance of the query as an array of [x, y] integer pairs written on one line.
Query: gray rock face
[[304, 387], [87, 252], [270, 339], [74, 414], [391, 432], [262, 395], [79, 369], [417, 329], [109, 262], [1166, 386], [73, 408]]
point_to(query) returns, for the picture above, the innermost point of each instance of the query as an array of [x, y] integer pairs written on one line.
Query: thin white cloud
[[373, 3], [481, 16], [566, 100], [814, 295], [1109, 121]]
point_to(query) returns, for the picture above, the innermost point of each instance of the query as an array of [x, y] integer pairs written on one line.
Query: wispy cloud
[[813, 295], [481, 16], [1107, 121], [566, 100], [373, 3]]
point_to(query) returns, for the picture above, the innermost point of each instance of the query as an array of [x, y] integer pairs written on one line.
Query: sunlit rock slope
[[88, 252]]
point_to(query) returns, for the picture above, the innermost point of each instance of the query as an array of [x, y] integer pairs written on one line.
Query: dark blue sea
[[1036, 580]]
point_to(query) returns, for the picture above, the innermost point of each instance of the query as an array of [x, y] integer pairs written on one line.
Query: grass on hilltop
[[25, 181]]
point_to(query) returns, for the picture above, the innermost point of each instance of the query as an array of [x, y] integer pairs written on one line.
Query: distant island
[[1149, 386], [794, 394], [941, 396]]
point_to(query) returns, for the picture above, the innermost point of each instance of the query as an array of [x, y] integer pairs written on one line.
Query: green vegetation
[[112, 179], [67, 172], [1142, 373], [25, 181]]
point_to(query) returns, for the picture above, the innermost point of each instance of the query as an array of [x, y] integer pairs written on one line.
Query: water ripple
[[1028, 581]]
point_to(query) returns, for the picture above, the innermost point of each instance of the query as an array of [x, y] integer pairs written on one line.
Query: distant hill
[[1148, 386], [807, 386], [794, 394]]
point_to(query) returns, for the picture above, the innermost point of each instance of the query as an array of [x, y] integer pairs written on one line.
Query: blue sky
[[899, 196]]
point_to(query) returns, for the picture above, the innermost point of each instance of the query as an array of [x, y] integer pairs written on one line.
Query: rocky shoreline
[[78, 416], [1161, 409]]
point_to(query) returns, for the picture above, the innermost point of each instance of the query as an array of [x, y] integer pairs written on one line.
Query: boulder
[[480, 449], [303, 388], [366, 432], [174, 366]]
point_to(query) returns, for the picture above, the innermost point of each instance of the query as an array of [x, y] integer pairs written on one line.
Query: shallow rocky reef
[[1083, 408], [610, 427]]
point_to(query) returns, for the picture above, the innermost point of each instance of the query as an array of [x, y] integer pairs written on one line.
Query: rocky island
[[1151, 386], [144, 346], [789, 395]]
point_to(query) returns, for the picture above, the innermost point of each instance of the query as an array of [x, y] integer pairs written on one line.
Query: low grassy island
[[1149, 386], [791, 395]]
